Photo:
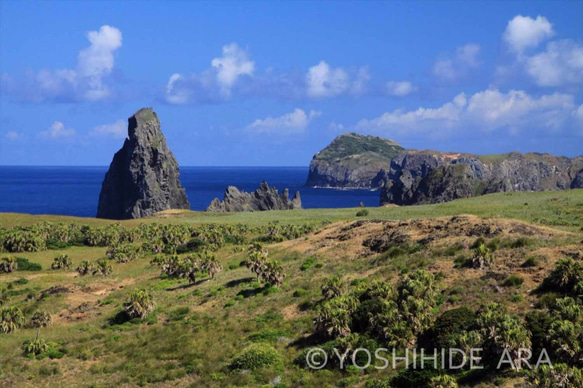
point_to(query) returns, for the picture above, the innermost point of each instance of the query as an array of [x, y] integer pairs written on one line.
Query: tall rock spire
[[143, 177]]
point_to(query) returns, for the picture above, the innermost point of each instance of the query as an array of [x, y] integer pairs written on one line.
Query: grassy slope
[[557, 208], [222, 314]]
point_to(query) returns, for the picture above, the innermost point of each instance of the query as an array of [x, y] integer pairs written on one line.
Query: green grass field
[[197, 330]]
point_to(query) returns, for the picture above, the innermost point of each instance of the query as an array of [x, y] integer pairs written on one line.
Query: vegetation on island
[[198, 299]]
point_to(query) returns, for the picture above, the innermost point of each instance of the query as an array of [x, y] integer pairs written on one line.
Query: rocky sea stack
[[143, 177], [264, 198]]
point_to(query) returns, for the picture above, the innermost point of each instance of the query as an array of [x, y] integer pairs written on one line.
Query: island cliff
[[143, 177], [419, 177], [352, 161], [264, 198]]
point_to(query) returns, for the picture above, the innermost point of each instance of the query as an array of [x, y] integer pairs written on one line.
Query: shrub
[[258, 355], [300, 292], [140, 304], [307, 263], [531, 261], [62, 262], [362, 213], [35, 347], [8, 264], [447, 325], [513, 281], [11, 319], [40, 319], [565, 277]]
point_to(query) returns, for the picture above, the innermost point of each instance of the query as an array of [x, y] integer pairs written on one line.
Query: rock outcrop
[[264, 198], [352, 161], [143, 177], [417, 177]]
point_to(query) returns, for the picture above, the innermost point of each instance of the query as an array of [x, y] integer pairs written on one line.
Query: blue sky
[[271, 83]]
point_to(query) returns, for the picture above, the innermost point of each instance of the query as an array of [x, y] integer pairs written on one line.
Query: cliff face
[[430, 177], [351, 161], [264, 198], [143, 177]]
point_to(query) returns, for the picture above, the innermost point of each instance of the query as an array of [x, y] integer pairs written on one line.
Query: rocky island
[[143, 177], [419, 177], [352, 161], [264, 198]]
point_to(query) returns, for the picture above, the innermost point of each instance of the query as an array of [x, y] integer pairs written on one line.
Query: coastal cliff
[[351, 161], [419, 177]]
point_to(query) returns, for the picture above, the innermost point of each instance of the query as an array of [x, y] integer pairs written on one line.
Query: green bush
[[258, 355], [25, 265], [307, 263], [513, 281], [300, 292], [530, 261]]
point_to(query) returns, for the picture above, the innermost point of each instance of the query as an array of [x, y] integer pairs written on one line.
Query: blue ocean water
[[75, 190]]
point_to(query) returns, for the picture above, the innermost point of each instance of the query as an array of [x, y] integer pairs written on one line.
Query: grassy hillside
[[236, 330], [350, 144]]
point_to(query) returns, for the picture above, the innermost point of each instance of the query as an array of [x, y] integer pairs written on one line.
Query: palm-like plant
[[256, 261], [8, 264], [332, 287], [85, 268], [40, 319], [482, 257], [102, 267], [61, 262], [36, 346], [273, 273], [209, 264], [11, 319], [140, 304]]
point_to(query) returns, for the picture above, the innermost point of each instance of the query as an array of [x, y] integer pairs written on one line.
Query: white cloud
[[487, 110], [560, 64], [57, 130], [85, 82], [400, 88], [96, 61], [450, 68], [325, 81], [233, 64], [288, 124], [14, 136], [524, 32], [118, 130]]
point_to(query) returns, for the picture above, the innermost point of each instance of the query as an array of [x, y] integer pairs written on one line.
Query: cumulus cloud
[[118, 130], [452, 67], [84, 83], [233, 75], [233, 64], [400, 88], [56, 131], [561, 63], [288, 124], [523, 32], [325, 81], [214, 84], [488, 110]]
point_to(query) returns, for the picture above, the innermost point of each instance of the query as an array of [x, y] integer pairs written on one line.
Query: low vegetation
[[239, 300]]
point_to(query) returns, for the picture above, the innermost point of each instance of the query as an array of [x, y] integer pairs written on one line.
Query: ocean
[[74, 191]]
